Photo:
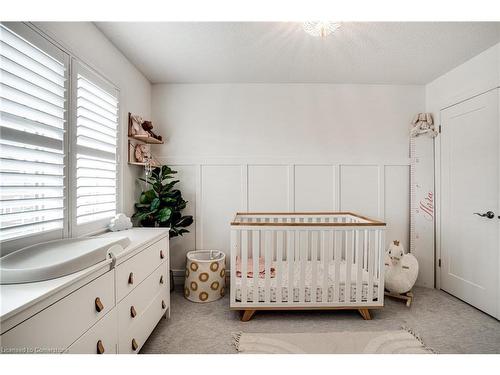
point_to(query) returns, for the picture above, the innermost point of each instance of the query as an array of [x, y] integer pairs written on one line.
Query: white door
[[470, 185]]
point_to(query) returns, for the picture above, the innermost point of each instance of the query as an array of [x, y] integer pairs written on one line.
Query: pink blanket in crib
[[262, 268]]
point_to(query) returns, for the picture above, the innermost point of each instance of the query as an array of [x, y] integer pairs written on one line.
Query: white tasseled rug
[[402, 341]]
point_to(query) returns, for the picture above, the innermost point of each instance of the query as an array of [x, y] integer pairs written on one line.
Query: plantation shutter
[[33, 81], [96, 148]]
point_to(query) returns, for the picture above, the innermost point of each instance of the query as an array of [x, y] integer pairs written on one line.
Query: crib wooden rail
[[304, 219], [326, 260]]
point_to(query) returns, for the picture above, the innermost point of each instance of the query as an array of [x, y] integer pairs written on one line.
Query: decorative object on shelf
[[142, 153], [401, 271], [120, 222], [135, 126], [320, 28], [205, 275], [148, 127], [162, 204], [423, 123]]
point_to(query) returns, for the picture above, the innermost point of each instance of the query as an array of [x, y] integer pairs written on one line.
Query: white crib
[[306, 261]]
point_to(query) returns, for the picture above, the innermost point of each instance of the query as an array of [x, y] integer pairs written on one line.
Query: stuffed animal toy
[[120, 222], [423, 124], [401, 270], [142, 153], [148, 126]]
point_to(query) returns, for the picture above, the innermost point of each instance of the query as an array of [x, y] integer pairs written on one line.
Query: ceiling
[[281, 52]]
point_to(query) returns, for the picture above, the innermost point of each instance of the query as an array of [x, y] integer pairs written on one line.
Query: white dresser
[[109, 308]]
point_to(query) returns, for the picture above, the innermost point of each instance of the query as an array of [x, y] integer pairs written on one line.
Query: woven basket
[[205, 275]]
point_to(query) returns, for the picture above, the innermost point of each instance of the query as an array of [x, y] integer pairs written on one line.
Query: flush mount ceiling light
[[320, 28]]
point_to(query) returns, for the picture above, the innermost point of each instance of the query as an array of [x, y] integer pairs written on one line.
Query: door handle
[[489, 214]]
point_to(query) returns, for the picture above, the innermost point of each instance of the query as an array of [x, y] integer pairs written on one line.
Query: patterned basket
[[205, 275]]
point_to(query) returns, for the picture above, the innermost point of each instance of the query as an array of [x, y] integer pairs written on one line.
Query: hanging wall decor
[[422, 194]]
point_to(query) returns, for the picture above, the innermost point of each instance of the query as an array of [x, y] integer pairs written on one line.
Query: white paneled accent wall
[[361, 189], [285, 147], [314, 188], [268, 188]]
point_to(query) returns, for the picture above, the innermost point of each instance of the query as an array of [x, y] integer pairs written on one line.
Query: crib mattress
[[308, 282]]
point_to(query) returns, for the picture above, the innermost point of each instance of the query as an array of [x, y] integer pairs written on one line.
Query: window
[[58, 162], [96, 148], [32, 127]]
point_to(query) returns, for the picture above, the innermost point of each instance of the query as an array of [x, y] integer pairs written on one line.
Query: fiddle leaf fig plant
[[162, 204]]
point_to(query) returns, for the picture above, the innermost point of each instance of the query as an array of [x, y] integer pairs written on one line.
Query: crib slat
[[291, 260], [234, 252], [314, 259], [244, 265], [336, 260], [348, 264], [359, 264], [267, 266], [325, 262], [376, 272], [303, 260], [279, 264], [365, 250], [255, 265], [381, 252], [371, 264]]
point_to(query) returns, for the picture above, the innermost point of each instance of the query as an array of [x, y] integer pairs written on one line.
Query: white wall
[[86, 42], [286, 147], [474, 77]]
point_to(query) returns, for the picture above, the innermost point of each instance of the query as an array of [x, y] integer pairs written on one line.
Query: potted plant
[[161, 205]]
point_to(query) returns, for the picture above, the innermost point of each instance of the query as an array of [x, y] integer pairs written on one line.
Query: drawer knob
[[100, 347], [131, 278], [163, 304], [98, 305], [133, 313], [135, 345], [161, 279], [161, 254]]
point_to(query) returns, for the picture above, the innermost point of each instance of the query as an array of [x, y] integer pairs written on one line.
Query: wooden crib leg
[[365, 313], [247, 315]]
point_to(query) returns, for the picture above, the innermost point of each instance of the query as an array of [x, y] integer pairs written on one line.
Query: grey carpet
[[445, 323]]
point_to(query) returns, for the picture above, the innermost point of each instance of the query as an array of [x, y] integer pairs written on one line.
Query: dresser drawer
[[133, 305], [102, 338], [55, 328], [133, 271], [130, 341]]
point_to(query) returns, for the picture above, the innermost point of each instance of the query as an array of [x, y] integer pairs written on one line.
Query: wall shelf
[[146, 139], [142, 164], [142, 140]]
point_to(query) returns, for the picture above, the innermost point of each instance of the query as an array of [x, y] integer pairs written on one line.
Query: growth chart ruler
[[422, 197]]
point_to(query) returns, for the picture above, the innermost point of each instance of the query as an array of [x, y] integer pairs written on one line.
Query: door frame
[[437, 189]]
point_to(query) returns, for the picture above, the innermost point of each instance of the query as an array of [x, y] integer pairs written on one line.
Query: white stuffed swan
[[401, 270]]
